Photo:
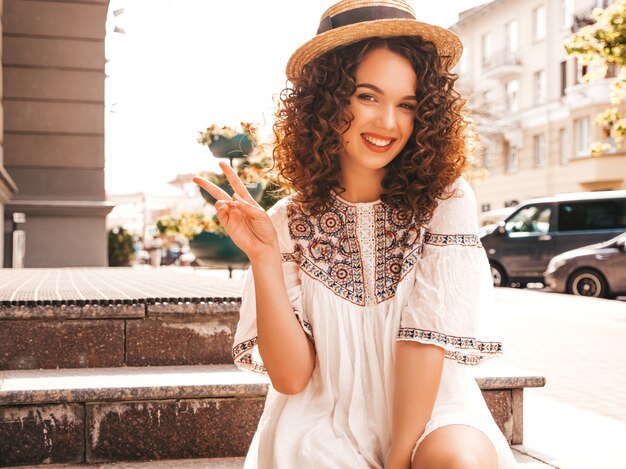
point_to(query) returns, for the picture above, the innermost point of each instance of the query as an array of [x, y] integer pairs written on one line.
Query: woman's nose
[[387, 117]]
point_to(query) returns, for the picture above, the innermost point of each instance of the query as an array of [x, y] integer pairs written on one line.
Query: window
[[539, 149], [539, 23], [567, 13], [488, 156], [582, 129], [563, 77], [581, 71], [463, 62], [486, 98], [512, 100], [564, 145], [510, 37], [592, 215], [611, 70], [486, 49], [533, 219], [512, 162], [539, 80]]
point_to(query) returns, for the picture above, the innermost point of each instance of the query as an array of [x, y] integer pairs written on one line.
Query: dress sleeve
[[245, 351], [452, 303]]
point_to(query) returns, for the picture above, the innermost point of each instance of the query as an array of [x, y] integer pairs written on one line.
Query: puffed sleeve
[[452, 303], [245, 351]]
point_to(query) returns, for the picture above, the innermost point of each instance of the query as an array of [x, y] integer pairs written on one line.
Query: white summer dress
[[360, 278]]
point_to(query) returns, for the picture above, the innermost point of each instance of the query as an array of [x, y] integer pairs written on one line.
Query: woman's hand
[[398, 460], [247, 224]]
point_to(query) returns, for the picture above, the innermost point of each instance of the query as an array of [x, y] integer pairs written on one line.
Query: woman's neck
[[360, 187]]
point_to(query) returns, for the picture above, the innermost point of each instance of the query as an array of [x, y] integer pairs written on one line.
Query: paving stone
[[47, 434], [61, 344]]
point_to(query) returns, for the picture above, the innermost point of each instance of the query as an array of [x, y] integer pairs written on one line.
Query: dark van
[[520, 247]]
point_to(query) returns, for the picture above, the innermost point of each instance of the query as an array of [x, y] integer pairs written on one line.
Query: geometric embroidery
[[477, 350], [469, 240], [327, 248], [242, 356], [242, 352]]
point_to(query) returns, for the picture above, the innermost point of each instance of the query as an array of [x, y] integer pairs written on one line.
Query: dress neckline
[[355, 204]]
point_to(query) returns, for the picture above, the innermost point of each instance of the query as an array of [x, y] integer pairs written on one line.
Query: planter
[[235, 147], [255, 189], [208, 246]]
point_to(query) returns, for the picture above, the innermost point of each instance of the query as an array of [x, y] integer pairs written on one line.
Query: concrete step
[[103, 415], [204, 463], [523, 461], [127, 414], [147, 318]]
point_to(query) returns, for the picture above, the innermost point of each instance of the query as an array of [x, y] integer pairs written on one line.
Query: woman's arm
[[418, 370], [288, 355]]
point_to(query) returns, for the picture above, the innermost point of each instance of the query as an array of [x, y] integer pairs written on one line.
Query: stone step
[[201, 463], [523, 462], [100, 318], [154, 413], [136, 335]]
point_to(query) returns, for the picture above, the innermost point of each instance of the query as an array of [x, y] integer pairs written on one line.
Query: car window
[[592, 215], [531, 219]]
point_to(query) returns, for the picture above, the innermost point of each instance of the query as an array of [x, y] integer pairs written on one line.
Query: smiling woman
[[369, 292]]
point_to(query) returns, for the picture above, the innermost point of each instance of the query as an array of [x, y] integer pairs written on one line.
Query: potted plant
[[207, 238], [227, 142], [253, 174]]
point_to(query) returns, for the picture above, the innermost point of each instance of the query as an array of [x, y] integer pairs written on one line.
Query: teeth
[[377, 141]]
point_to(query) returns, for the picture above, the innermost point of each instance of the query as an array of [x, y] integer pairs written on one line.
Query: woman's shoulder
[[456, 208], [281, 208]]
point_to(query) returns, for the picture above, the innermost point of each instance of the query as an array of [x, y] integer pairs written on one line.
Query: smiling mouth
[[378, 142]]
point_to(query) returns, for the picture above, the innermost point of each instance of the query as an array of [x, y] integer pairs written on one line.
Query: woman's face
[[383, 107]]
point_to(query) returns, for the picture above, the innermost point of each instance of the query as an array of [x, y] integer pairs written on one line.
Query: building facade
[[53, 105], [533, 111]]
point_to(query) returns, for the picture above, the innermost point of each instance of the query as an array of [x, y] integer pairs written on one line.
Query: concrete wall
[[53, 72]]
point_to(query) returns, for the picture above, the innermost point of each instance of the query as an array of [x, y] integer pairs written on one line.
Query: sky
[[182, 65]]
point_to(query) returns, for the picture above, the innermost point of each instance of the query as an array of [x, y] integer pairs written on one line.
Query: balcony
[[502, 65], [588, 93], [595, 172]]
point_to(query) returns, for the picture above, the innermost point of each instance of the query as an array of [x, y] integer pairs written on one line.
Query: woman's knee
[[455, 447]]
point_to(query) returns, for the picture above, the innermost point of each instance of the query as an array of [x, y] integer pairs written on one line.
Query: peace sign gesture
[[247, 224]]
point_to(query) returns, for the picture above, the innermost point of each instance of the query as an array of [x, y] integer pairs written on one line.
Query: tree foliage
[[600, 44]]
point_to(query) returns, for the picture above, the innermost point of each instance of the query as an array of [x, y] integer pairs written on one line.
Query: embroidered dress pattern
[[477, 350], [329, 251], [468, 240], [242, 356]]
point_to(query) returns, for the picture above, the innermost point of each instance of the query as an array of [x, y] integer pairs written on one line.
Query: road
[[578, 420]]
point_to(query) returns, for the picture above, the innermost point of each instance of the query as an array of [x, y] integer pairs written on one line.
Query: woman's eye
[[408, 106], [367, 97]]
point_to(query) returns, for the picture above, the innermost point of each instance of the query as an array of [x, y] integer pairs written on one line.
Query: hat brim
[[446, 42]]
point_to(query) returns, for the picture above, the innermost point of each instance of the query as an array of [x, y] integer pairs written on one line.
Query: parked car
[[598, 270], [520, 247]]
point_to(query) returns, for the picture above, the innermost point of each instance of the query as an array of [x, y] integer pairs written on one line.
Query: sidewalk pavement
[[567, 437]]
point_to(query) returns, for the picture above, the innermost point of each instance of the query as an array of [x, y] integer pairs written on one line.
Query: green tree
[[121, 249], [601, 44]]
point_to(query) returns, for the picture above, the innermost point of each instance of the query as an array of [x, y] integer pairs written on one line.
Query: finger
[[254, 211], [223, 214], [236, 183], [211, 188]]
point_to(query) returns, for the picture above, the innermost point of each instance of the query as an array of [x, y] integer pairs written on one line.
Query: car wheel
[[498, 275], [588, 282]]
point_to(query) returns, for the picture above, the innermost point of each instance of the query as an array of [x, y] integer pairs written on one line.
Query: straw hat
[[350, 21]]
